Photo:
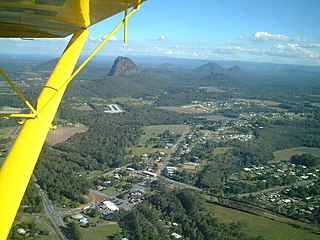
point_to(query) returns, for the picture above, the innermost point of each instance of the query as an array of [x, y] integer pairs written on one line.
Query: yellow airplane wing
[[36, 19], [55, 18]]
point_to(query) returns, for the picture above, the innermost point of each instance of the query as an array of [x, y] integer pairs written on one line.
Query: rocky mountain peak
[[123, 67]]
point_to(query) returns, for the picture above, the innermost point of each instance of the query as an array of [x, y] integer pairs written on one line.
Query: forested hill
[[219, 80], [137, 85], [210, 68]]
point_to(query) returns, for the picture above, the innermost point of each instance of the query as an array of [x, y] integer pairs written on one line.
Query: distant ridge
[[166, 65], [123, 67], [235, 69], [209, 68], [219, 80]]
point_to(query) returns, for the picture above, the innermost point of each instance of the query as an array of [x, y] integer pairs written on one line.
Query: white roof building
[[111, 206], [152, 174], [176, 235]]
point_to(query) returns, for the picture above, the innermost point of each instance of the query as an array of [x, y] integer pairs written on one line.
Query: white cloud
[[262, 36], [314, 45], [265, 36], [233, 48], [113, 38], [169, 52], [295, 50], [162, 37]]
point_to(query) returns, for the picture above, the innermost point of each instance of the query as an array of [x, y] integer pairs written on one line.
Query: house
[[100, 188], [80, 218], [117, 176], [77, 216], [150, 174], [169, 145], [22, 231], [83, 220], [176, 235], [190, 165], [171, 170]]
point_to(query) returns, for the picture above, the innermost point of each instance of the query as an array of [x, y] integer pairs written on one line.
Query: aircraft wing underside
[[55, 18]]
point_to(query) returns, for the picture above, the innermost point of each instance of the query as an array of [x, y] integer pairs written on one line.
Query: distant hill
[[49, 65], [235, 69], [123, 67], [219, 80], [209, 68], [166, 66]]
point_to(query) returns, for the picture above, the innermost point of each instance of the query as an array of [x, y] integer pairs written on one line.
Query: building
[[113, 108], [110, 206], [176, 235], [150, 174]]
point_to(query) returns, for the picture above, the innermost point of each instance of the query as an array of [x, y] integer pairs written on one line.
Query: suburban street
[[168, 158]]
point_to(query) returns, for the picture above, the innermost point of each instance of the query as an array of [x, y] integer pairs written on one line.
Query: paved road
[[52, 214], [179, 184], [110, 173], [168, 158]]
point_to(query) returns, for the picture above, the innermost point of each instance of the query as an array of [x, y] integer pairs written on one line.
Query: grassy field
[[154, 131], [110, 191], [260, 226], [286, 154], [100, 231], [221, 150], [265, 102], [316, 104]]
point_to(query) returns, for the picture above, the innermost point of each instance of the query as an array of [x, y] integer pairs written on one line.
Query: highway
[[53, 216]]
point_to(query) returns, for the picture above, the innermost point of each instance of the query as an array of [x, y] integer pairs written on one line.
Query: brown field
[[9, 132], [212, 89], [61, 134]]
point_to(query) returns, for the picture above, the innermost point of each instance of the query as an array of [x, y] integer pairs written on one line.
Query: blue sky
[[282, 31]]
